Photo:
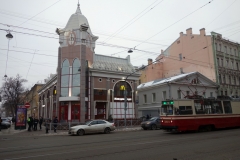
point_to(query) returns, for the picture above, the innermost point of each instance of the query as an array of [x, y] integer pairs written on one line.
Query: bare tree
[[12, 93]]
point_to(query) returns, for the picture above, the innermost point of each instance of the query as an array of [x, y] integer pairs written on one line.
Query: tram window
[[167, 109], [227, 107], [183, 110], [199, 107], [217, 107]]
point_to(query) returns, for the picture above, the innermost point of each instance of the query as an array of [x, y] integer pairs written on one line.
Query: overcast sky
[[147, 25]]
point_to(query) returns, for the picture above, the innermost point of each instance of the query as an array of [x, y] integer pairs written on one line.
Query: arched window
[[76, 77], [120, 87], [65, 78]]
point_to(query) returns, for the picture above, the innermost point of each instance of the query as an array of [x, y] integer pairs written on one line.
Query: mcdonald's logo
[[122, 88]]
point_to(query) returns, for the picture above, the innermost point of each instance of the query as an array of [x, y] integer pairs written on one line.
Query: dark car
[[5, 125], [152, 123]]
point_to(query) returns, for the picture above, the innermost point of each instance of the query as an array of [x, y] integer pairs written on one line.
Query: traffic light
[[167, 102]]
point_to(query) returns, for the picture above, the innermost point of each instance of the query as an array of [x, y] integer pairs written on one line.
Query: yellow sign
[[122, 88]]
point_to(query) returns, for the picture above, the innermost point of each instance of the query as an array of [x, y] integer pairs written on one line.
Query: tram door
[[100, 112]]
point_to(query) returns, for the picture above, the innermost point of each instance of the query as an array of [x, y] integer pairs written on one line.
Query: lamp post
[[125, 86], [83, 29], [9, 37]]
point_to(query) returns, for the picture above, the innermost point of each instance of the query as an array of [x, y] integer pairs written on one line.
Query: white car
[[92, 126]]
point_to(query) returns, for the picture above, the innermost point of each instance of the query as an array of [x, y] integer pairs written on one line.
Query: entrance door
[[63, 114], [101, 110]]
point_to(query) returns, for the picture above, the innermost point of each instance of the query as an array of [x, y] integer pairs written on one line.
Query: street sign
[[27, 105]]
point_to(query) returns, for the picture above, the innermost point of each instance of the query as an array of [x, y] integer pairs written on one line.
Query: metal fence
[[119, 123]]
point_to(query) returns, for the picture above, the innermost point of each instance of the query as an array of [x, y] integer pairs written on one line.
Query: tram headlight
[[162, 121], [171, 121]]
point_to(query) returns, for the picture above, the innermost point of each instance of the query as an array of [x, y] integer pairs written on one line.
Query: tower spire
[[78, 11]]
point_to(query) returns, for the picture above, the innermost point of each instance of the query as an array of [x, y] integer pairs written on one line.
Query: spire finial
[[78, 11]]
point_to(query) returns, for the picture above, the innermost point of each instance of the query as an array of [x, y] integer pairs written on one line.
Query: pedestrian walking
[[35, 123], [0, 123], [13, 120], [47, 124], [40, 122], [55, 122], [147, 117], [30, 122]]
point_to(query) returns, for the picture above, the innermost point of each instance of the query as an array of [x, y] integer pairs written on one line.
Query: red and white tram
[[199, 114]]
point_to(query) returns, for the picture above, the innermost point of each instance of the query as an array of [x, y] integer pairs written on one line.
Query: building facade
[[211, 55], [227, 60], [87, 85], [151, 94], [32, 98]]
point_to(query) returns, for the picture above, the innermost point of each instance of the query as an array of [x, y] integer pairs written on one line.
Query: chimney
[[181, 34], [202, 32], [189, 31], [149, 61], [161, 51]]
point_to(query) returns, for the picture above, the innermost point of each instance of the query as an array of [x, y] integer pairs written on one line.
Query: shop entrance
[[100, 110]]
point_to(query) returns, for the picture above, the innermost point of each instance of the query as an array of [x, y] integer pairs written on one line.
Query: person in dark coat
[[30, 123], [35, 123], [55, 122], [40, 122], [147, 117], [47, 125], [0, 123]]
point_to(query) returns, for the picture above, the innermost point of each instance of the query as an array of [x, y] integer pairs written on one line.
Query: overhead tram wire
[[174, 23], [131, 22], [102, 43], [56, 35], [45, 21], [39, 12], [31, 63], [220, 13]]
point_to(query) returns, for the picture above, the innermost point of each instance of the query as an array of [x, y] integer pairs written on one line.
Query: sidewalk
[[25, 132]]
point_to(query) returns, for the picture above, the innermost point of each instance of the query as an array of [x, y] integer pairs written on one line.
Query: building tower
[[75, 54]]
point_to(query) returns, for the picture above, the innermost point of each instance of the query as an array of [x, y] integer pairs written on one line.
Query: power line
[[39, 13], [174, 23], [131, 22], [220, 14]]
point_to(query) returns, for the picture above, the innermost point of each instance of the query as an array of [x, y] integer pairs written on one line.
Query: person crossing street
[[55, 122], [40, 122]]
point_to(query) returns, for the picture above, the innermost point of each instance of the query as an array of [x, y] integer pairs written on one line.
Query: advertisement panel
[[21, 117]]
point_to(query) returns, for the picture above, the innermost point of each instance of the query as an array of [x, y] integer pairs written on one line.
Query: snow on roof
[[164, 80]]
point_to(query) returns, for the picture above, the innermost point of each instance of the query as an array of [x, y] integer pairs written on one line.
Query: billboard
[[21, 117]]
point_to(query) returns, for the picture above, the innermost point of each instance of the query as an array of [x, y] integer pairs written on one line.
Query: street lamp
[[9, 37], [83, 29]]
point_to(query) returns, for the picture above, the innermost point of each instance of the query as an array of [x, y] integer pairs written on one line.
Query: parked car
[[5, 125], [92, 126], [6, 120], [153, 123]]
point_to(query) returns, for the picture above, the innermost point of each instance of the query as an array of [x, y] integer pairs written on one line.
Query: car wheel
[[107, 130], [153, 127], [145, 128], [80, 132]]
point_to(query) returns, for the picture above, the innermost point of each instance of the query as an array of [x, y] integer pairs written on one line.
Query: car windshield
[[88, 122], [152, 119]]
